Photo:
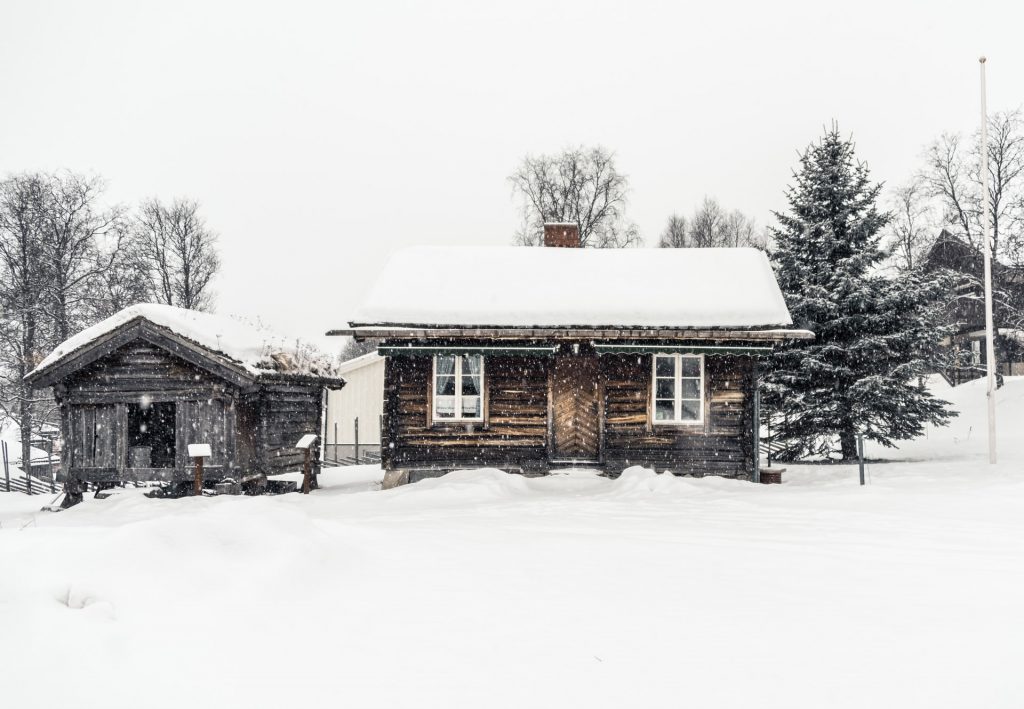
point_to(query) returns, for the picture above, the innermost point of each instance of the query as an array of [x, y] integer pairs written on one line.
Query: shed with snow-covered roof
[[534, 358], [354, 413], [138, 388]]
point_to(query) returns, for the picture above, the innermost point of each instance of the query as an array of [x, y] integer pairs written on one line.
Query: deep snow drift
[[483, 589]]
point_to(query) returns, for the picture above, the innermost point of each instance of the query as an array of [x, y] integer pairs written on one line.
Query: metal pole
[[757, 428], [990, 348], [357, 439], [26, 468], [7, 470], [860, 455]]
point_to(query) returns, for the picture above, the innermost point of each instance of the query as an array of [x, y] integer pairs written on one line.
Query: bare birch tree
[[712, 226], [21, 298], [676, 233], [178, 251], [580, 185], [80, 241], [913, 228], [953, 178]]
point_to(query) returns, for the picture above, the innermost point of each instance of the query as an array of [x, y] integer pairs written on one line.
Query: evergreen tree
[[875, 337]]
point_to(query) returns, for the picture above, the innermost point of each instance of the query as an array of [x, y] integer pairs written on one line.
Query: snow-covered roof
[[359, 362], [464, 286], [252, 347]]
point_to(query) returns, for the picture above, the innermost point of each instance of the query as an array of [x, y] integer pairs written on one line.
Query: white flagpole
[[990, 349]]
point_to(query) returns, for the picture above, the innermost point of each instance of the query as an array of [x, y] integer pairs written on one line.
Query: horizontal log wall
[[251, 433], [514, 432], [140, 368], [722, 445], [136, 372], [288, 411]]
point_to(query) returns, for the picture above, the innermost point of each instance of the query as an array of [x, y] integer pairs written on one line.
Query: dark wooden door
[[575, 408]]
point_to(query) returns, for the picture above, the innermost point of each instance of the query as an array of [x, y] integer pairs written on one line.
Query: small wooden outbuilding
[[530, 359], [136, 389], [354, 413]]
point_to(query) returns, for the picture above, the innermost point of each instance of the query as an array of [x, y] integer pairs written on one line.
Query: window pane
[[691, 366], [691, 411], [663, 410], [691, 389], [471, 385], [664, 388], [445, 364], [472, 364], [445, 386], [471, 407], [665, 366], [444, 407]]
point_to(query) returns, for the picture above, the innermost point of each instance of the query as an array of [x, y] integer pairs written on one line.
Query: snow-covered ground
[[488, 590]]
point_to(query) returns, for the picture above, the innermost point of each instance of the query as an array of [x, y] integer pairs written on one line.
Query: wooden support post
[[357, 440], [336, 442], [306, 444], [198, 452], [198, 486], [49, 466], [307, 472], [7, 470]]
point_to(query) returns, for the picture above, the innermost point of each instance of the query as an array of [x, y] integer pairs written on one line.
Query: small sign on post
[[306, 444], [199, 451]]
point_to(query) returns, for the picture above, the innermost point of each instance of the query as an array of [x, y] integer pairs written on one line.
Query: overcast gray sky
[[320, 137]]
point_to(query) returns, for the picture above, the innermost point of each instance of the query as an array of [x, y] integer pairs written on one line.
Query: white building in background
[[362, 398]]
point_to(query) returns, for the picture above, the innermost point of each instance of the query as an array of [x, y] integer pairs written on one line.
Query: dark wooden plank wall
[[249, 433], [94, 441], [723, 445], [514, 432], [287, 412], [141, 368], [209, 421], [99, 393]]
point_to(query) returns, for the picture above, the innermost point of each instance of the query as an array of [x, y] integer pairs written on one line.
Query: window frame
[[457, 373], [677, 391]]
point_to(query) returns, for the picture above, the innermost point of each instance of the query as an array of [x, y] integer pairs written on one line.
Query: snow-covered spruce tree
[[875, 337]]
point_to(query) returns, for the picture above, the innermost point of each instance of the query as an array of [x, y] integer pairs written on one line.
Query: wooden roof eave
[[333, 383], [574, 333], [142, 329]]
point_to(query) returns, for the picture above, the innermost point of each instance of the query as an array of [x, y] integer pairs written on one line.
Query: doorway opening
[[151, 435]]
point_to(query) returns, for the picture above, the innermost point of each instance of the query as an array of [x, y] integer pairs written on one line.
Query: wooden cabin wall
[[722, 445], [514, 432], [138, 369], [288, 410], [95, 399]]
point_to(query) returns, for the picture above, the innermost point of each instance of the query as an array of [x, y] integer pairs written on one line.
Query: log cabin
[[137, 388], [964, 310], [533, 359]]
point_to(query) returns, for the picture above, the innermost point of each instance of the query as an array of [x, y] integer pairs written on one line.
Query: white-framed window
[[677, 383], [458, 387]]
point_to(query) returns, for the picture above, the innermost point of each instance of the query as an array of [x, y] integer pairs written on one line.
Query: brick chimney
[[562, 234]]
